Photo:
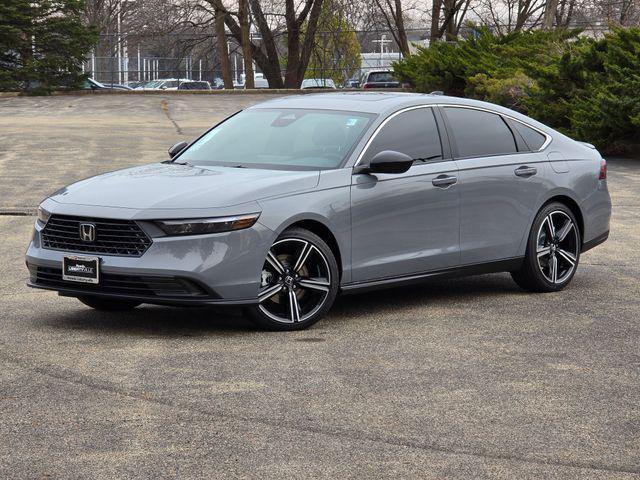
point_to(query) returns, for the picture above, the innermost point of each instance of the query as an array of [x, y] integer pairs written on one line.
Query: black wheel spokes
[[557, 247], [297, 282]]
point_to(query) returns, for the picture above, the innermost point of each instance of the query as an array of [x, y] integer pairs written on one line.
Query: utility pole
[[119, 42], [383, 41]]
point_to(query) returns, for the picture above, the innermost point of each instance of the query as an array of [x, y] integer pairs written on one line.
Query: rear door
[[501, 183], [406, 223]]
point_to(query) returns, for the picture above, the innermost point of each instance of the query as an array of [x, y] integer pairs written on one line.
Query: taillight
[[366, 85], [603, 169]]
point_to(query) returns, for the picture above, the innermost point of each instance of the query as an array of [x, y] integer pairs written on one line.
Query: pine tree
[[42, 44]]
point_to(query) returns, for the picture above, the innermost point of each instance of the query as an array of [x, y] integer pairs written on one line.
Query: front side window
[[414, 133], [280, 138], [478, 133]]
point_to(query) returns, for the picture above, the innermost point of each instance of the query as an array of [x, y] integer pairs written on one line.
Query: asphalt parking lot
[[469, 378]]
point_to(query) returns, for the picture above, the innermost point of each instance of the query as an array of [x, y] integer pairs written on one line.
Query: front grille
[[117, 284], [122, 238]]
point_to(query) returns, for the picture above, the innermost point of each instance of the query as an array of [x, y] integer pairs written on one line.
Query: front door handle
[[525, 171], [444, 181]]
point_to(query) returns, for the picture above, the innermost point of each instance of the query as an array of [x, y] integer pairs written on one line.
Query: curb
[[17, 211]]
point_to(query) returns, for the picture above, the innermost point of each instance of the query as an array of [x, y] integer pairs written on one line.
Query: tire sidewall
[[531, 257], [299, 233]]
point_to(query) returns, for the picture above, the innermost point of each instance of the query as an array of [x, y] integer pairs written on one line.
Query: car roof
[[366, 102], [384, 103]]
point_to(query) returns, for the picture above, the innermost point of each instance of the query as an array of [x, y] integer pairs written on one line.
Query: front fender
[[329, 204]]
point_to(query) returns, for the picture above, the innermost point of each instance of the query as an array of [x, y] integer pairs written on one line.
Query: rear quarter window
[[531, 137]]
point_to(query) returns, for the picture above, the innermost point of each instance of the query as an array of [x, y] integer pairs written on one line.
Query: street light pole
[[119, 43]]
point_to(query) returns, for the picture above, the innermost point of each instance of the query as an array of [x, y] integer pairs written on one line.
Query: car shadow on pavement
[[435, 292], [161, 321], [151, 320]]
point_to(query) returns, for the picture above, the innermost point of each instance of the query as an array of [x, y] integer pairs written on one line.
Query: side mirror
[[387, 161], [177, 148]]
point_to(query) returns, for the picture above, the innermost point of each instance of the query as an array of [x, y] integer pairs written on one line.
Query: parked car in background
[[317, 84], [217, 84], [285, 204], [380, 79], [352, 83], [117, 86], [164, 84], [194, 85], [258, 82], [134, 84], [92, 84]]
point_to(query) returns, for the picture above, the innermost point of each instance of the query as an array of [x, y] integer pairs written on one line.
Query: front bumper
[[217, 269]]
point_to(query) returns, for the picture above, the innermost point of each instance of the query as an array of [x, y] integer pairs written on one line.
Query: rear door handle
[[525, 171], [444, 181]]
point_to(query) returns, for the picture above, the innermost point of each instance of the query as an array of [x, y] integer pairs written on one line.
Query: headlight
[[198, 226], [43, 216]]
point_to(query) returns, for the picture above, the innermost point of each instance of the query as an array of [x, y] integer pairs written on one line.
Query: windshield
[[280, 138], [381, 77]]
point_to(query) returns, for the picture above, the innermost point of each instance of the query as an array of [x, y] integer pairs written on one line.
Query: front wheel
[[553, 251], [299, 282]]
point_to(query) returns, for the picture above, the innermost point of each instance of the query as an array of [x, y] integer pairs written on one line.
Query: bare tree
[[221, 40], [551, 6], [506, 16], [245, 41], [301, 23], [452, 13], [394, 18]]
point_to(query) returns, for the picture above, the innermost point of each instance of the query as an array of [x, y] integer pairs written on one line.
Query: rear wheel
[[299, 282], [108, 304], [553, 251]]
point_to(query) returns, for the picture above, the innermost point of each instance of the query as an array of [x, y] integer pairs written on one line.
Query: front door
[[407, 223]]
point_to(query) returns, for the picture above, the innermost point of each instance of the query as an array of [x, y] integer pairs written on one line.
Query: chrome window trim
[[546, 143], [384, 122], [547, 137]]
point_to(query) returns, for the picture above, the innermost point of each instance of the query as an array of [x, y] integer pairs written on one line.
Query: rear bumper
[[595, 242]]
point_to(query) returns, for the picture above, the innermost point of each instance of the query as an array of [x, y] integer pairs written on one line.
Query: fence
[[122, 59]]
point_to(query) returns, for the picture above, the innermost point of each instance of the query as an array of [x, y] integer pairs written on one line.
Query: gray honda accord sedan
[[284, 205]]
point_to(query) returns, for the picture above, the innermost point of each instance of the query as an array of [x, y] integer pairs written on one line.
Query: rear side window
[[414, 133], [532, 138], [478, 133]]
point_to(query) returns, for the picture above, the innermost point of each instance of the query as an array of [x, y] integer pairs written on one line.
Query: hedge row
[[586, 88]]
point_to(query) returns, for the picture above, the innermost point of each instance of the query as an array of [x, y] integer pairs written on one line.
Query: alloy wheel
[[295, 281], [557, 247]]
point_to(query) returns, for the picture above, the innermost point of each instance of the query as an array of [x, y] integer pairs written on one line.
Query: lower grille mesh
[[134, 285]]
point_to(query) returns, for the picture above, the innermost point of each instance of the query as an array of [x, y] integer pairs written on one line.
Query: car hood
[[174, 186]]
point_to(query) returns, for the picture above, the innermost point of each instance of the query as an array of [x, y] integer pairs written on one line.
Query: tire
[[299, 282], [108, 304], [553, 250]]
